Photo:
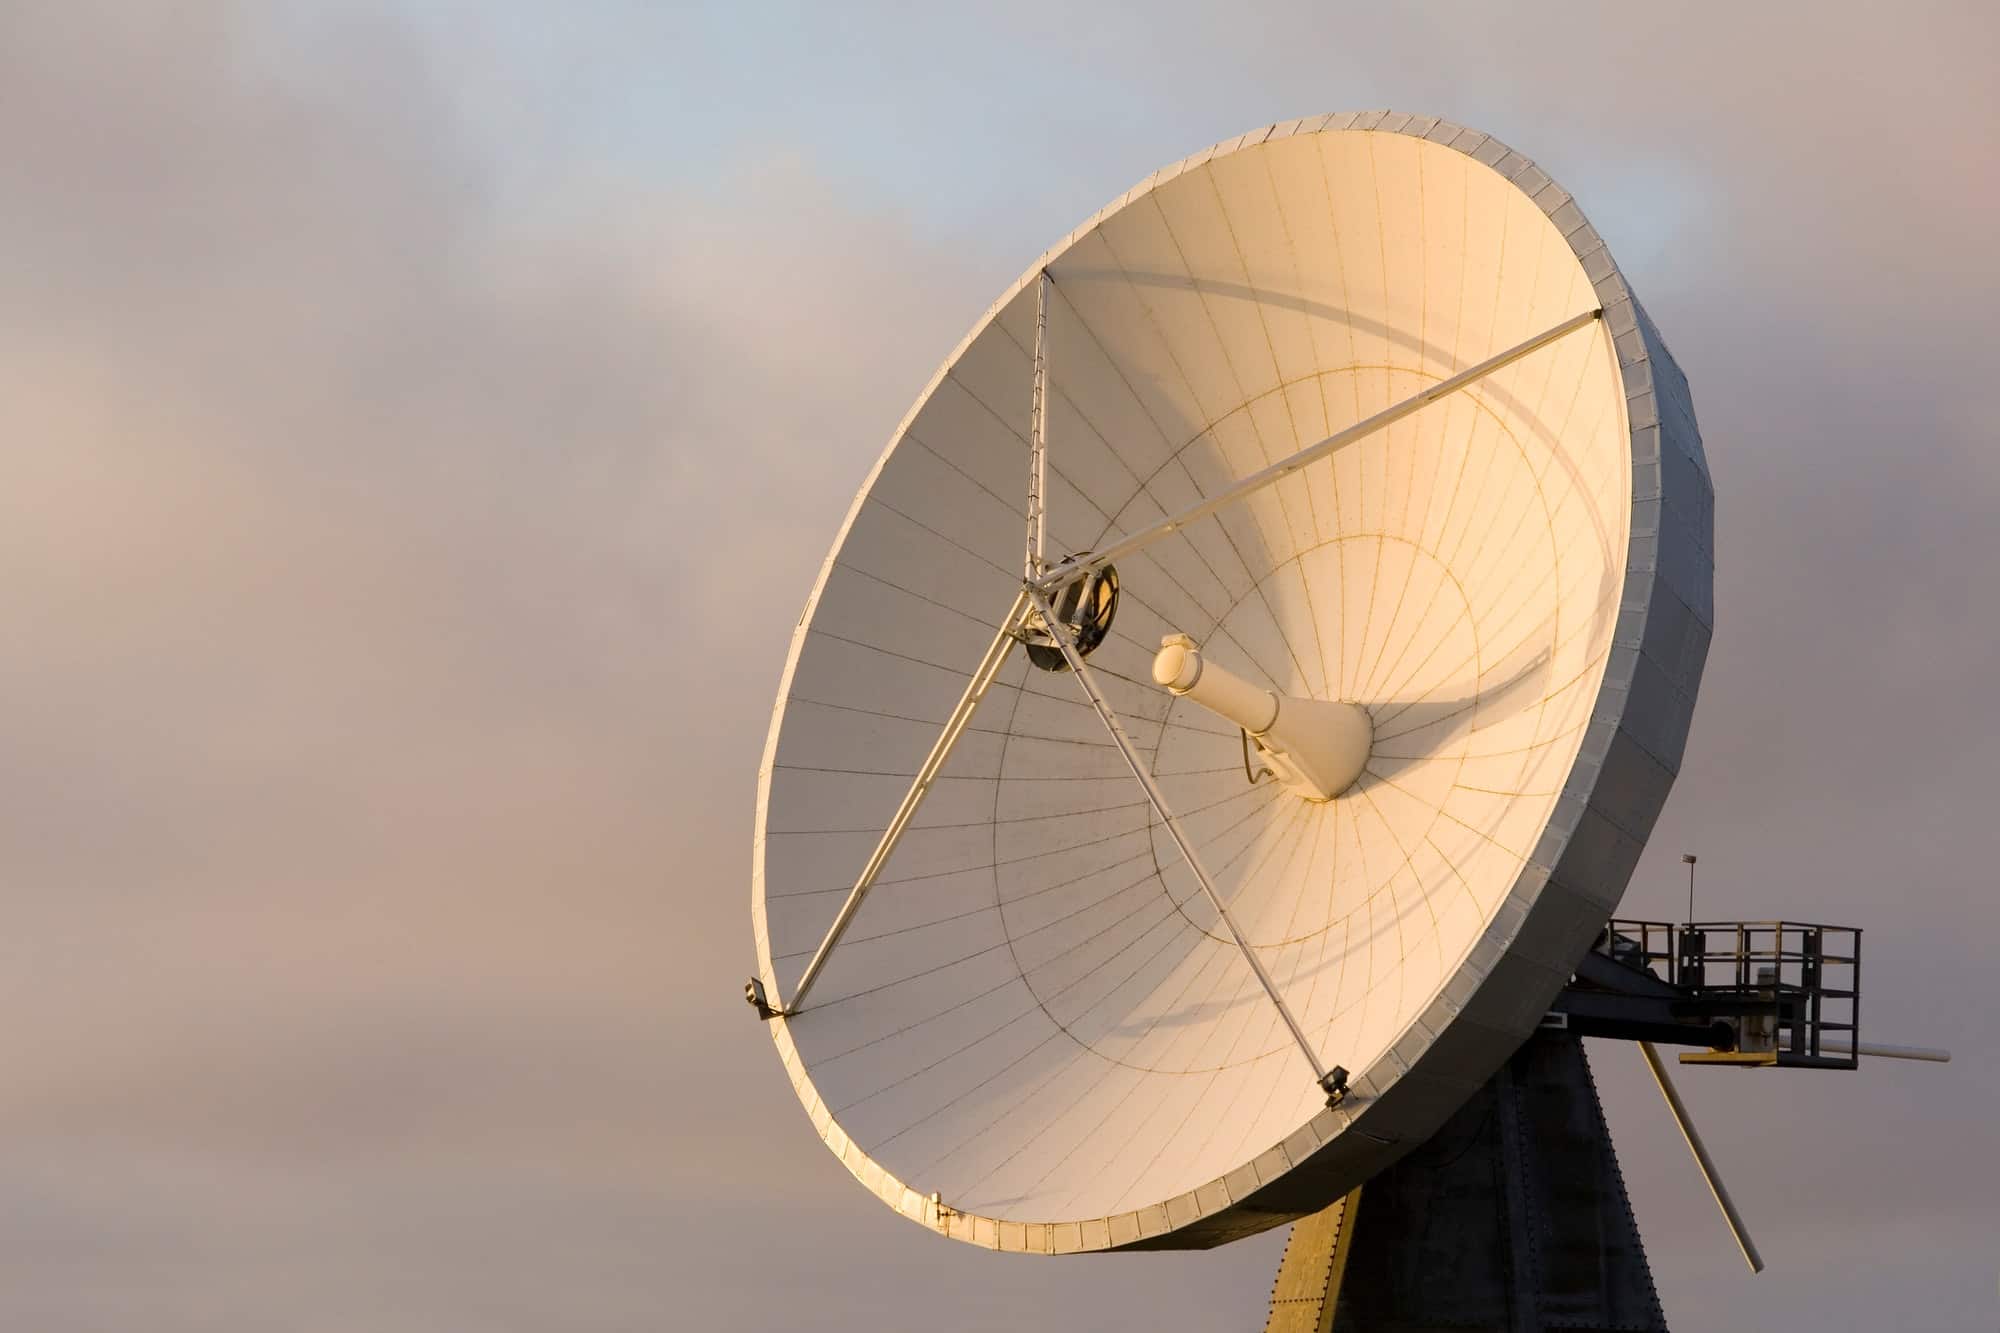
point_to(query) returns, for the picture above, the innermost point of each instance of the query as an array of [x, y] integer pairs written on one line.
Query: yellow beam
[[1745, 1059], [1308, 1285]]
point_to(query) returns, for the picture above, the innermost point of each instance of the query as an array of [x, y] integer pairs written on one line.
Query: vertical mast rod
[[1038, 436]]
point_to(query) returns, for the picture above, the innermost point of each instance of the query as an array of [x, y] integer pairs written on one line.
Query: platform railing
[[1789, 983]]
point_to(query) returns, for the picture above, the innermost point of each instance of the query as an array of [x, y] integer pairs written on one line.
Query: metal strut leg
[[1038, 436], [1084, 678], [954, 727], [1055, 577]]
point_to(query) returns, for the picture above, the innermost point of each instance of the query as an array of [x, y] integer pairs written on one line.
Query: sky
[[422, 426]]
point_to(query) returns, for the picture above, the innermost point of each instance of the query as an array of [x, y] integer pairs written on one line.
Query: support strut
[[954, 727], [1038, 436], [1334, 1082], [1054, 577]]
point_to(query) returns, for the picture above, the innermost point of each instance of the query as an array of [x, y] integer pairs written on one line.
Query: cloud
[[395, 589], [399, 537]]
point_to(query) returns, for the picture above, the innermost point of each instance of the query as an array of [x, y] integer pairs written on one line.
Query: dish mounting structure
[[1585, 975]]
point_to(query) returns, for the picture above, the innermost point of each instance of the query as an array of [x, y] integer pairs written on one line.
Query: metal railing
[[1788, 984]]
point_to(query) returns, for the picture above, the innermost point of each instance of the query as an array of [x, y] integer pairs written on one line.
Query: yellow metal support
[[1308, 1286]]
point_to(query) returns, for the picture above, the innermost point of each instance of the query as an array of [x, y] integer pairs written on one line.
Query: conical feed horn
[[1701, 1157]]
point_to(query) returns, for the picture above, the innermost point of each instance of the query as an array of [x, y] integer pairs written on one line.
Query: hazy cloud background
[[421, 425]]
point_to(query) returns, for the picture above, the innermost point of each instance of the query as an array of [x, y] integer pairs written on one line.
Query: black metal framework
[[1753, 992], [1518, 1197]]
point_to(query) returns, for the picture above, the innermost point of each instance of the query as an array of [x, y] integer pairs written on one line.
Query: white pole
[[1701, 1158]]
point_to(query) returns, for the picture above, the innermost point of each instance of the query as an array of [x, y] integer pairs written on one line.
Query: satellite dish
[[1363, 516]]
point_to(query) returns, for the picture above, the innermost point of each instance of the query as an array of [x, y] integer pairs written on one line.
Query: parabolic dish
[[1035, 1033]]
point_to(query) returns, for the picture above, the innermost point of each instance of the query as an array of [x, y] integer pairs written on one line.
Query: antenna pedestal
[[1512, 1218]]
